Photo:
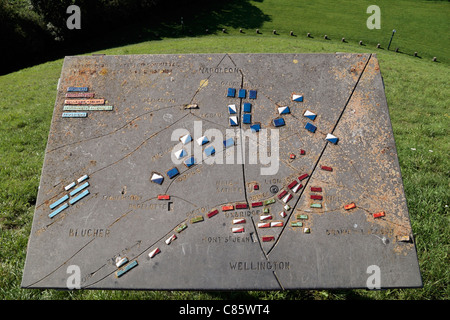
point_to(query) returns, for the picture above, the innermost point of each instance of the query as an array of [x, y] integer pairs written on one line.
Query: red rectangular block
[[241, 206], [163, 197], [213, 213], [268, 238], [303, 176], [282, 194], [316, 197], [292, 184], [257, 204], [327, 168], [316, 189]]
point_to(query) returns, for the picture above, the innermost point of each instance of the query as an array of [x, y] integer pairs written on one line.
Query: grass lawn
[[418, 97]]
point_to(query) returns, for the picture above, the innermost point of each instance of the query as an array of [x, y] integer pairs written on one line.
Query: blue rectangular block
[[247, 118], [172, 173], [228, 143], [125, 269], [77, 89], [79, 197], [83, 186], [210, 151], [255, 127], [247, 107], [278, 122], [252, 94], [242, 93], [54, 213], [189, 162], [58, 202], [310, 127], [231, 92]]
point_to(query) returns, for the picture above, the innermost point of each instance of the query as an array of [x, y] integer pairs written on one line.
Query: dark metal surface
[[221, 226]]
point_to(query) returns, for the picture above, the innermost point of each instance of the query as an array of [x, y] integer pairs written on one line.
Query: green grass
[[417, 92]]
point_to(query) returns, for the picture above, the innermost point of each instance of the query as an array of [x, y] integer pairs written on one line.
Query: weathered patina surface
[[122, 199]]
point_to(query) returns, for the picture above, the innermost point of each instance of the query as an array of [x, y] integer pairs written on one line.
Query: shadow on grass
[[187, 20]]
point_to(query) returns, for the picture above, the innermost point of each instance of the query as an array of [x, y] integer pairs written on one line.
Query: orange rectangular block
[[379, 214], [163, 197], [349, 206], [227, 208]]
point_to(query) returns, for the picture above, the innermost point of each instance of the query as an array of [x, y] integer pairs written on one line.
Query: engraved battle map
[[221, 172]]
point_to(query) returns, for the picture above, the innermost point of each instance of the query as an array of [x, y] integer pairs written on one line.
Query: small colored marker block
[[80, 188], [58, 202], [81, 179], [282, 194], [331, 138], [186, 139], [316, 197], [276, 224], [292, 156], [266, 210], [74, 114], [237, 230], [257, 204], [238, 221], [265, 217], [228, 208], [255, 127], [228, 143], [326, 168], [171, 239], [125, 269], [264, 225], [270, 201], [303, 176], [157, 178], [77, 89], [241, 206], [283, 110], [69, 186], [308, 114], [297, 97], [287, 207], [189, 162], [349, 206], [57, 211], [283, 214], [234, 121], [181, 227], [278, 122], [287, 198], [212, 213], [310, 127], [232, 109], [252, 94], [154, 252], [210, 151], [296, 224], [292, 184], [242, 93], [231, 92], [163, 197], [379, 214], [256, 187], [180, 154], [268, 238], [197, 219], [79, 197], [316, 189], [172, 173], [297, 187], [247, 118], [316, 205], [121, 261], [202, 140], [247, 107], [302, 152], [302, 216], [306, 230]]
